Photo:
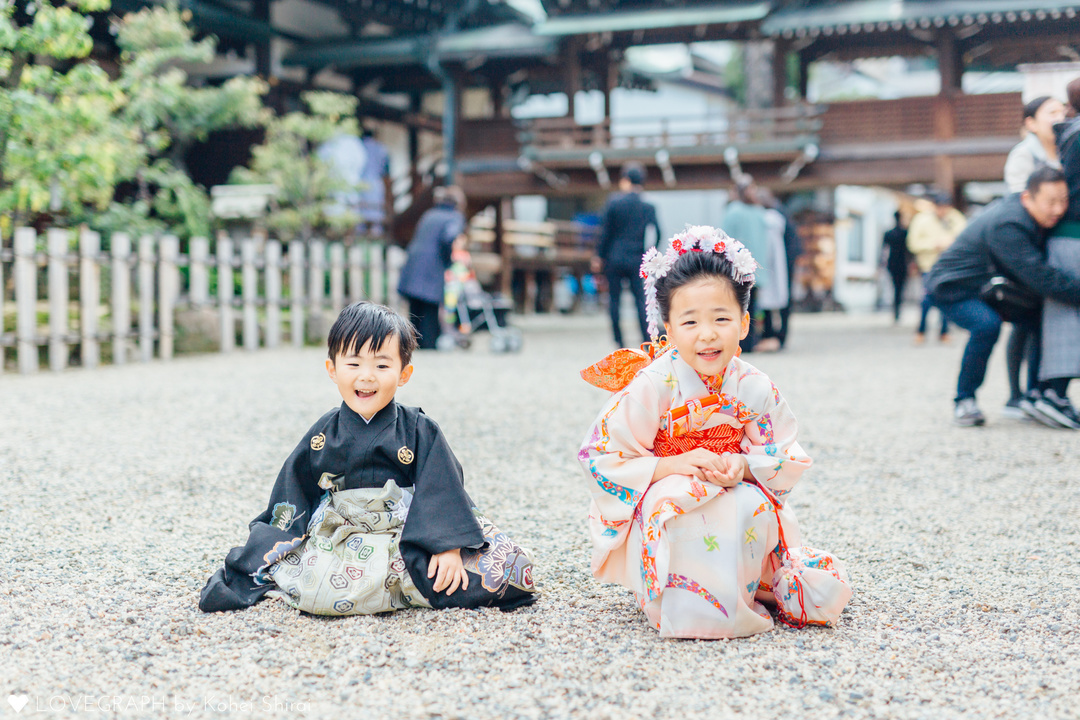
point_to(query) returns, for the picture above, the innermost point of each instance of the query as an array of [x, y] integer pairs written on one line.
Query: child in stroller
[[468, 309]]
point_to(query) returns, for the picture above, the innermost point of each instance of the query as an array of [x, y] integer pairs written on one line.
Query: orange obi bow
[[719, 438], [615, 372]]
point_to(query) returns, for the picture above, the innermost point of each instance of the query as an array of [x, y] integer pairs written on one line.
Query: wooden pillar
[[572, 78], [944, 130], [249, 292], [121, 296], [146, 298], [337, 278], [316, 282], [225, 291], [781, 48], [950, 62], [506, 268], [260, 10], [377, 286], [395, 261], [57, 240], [168, 292], [26, 299], [414, 146], [356, 273], [89, 295], [273, 293], [296, 292], [611, 79], [198, 273], [498, 90], [804, 74]]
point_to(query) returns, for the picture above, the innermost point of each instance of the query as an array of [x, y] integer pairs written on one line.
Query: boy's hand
[[448, 572]]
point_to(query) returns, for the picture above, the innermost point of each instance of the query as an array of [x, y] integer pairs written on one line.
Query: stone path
[[123, 488]]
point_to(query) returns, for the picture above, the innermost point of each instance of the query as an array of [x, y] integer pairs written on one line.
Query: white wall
[[863, 215]]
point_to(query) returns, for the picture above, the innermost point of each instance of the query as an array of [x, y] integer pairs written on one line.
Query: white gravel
[[123, 488]]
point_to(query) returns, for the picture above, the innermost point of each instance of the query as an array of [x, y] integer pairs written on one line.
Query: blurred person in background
[[1039, 147], [375, 175], [776, 299], [622, 243], [1060, 359], [422, 280], [930, 233], [1008, 239], [744, 220], [897, 261]]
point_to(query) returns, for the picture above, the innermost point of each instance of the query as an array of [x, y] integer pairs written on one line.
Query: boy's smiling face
[[367, 379]]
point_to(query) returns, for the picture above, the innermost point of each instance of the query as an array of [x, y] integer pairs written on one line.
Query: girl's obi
[[698, 424]]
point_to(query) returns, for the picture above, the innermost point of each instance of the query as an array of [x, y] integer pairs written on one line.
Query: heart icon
[[18, 702]]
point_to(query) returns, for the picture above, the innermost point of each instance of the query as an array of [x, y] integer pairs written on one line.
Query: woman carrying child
[[690, 460]]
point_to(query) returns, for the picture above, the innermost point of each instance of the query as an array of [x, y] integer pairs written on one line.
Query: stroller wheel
[[446, 343], [498, 344], [514, 340]]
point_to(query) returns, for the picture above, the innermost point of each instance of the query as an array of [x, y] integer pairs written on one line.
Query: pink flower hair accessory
[[696, 238]]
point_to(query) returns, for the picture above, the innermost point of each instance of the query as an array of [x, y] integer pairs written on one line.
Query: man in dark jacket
[[622, 243], [423, 276], [898, 261], [1008, 238]]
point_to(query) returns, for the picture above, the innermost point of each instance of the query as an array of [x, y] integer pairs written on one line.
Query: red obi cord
[[719, 439]]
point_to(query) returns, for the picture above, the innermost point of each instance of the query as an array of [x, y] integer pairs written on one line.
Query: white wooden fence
[[278, 293]]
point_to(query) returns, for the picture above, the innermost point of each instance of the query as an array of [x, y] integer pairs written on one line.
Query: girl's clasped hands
[[726, 470]]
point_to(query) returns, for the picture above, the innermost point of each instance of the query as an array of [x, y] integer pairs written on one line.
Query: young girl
[[690, 460]]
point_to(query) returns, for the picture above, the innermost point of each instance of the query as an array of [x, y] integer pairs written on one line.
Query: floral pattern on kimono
[[700, 557]]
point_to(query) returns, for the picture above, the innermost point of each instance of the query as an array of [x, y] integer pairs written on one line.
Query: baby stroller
[[468, 309]]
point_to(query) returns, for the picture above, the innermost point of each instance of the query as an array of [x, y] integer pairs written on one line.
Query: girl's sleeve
[[776, 459], [617, 453]]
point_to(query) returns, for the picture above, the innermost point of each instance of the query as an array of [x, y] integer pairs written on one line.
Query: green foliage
[[68, 138], [169, 114], [163, 104], [62, 145], [307, 186]]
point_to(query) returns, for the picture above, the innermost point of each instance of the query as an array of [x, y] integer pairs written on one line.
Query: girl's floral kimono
[[700, 557]]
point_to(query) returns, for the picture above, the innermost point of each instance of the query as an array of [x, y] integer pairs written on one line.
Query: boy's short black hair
[[364, 321]]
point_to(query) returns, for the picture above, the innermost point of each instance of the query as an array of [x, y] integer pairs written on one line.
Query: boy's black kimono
[[343, 452]]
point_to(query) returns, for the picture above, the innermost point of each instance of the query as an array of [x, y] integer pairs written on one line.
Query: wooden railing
[[922, 118], [736, 128], [128, 299], [927, 118]]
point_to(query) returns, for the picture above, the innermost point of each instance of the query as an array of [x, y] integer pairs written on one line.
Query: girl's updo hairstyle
[[693, 266]]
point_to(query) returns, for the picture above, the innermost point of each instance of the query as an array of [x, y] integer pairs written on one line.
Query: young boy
[[369, 513]]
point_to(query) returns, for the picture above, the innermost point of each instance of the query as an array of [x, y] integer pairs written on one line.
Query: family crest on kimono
[[369, 513], [690, 461]]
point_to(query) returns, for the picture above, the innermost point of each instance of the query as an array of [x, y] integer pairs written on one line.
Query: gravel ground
[[123, 488]]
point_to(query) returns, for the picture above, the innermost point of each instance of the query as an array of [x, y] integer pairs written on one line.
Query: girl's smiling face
[[705, 322]]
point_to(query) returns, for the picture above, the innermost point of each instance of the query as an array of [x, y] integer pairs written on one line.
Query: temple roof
[[885, 15]]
